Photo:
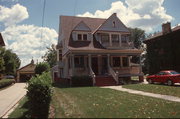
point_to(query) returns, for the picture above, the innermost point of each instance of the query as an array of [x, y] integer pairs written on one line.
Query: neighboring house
[[163, 49], [25, 73], [96, 47], [2, 44]]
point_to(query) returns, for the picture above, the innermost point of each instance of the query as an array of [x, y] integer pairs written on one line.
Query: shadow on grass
[[22, 111]]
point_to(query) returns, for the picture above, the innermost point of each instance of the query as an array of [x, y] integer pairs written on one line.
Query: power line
[[42, 25]]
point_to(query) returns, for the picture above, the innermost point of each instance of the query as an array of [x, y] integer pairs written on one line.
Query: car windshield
[[174, 72]]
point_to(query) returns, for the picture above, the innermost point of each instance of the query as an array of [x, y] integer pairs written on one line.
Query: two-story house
[[96, 47]]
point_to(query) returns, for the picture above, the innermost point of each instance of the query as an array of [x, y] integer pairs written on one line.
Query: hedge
[[81, 81], [6, 82], [39, 95]]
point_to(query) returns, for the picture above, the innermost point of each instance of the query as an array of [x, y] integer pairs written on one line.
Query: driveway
[[10, 96]]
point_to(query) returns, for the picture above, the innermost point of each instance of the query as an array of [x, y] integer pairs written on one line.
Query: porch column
[[110, 40], [108, 60], [89, 60], [129, 60], [141, 78], [120, 40], [72, 60], [99, 64]]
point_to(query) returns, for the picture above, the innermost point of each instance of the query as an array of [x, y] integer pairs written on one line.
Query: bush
[[6, 82], [39, 95], [81, 81], [42, 67]]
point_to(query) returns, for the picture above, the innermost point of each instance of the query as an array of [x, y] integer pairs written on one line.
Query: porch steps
[[105, 81]]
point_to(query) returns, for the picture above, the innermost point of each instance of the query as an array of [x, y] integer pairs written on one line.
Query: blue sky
[[20, 20]]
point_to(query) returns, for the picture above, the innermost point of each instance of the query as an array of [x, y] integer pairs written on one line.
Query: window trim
[[82, 36]]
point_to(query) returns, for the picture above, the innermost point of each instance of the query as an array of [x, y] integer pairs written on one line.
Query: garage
[[25, 73]]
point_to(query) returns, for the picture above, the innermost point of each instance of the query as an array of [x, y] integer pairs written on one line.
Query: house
[[163, 49], [25, 73], [2, 44], [96, 47]]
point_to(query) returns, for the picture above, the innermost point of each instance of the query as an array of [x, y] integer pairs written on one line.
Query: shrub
[[42, 67], [39, 95], [6, 82], [81, 81]]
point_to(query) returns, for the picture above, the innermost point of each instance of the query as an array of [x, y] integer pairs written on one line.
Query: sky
[[23, 32]]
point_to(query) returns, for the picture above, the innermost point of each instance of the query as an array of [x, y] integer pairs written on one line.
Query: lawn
[[94, 102], [155, 88]]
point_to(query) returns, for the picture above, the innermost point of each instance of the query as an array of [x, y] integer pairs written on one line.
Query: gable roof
[[1, 41], [108, 25], [70, 23], [29, 67], [82, 27]]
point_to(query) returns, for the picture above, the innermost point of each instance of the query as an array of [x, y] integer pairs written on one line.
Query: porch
[[114, 65]]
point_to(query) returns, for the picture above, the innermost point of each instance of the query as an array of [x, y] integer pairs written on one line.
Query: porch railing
[[114, 75], [92, 74]]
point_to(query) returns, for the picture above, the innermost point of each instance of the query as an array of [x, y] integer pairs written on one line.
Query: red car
[[170, 77]]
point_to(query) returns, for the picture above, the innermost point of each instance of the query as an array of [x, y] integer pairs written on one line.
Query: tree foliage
[[137, 36], [9, 61], [51, 56], [42, 67]]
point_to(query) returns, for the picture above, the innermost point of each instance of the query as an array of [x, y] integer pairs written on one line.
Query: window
[[114, 23], [79, 61], [105, 38], [116, 61], [125, 61], [82, 37], [115, 38], [123, 39], [79, 37], [85, 37]]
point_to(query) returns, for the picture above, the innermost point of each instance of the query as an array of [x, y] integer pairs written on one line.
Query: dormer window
[[82, 37], [114, 23], [79, 37]]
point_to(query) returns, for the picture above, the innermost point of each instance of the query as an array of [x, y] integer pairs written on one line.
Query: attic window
[[114, 23]]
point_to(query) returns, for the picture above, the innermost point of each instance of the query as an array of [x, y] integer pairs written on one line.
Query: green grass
[[154, 88], [22, 110], [94, 102]]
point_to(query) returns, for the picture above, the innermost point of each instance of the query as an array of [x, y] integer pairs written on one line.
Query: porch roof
[[87, 50]]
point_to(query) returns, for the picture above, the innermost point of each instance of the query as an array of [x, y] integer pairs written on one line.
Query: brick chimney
[[166, 28]]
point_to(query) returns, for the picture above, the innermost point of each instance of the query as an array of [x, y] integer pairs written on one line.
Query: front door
[[95, 65]]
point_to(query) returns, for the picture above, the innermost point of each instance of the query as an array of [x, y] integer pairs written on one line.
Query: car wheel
[[150, 81], [170, 83]]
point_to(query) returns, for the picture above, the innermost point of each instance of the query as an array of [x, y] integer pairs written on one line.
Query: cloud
[[145, 14], [13, 15], [26, 41]]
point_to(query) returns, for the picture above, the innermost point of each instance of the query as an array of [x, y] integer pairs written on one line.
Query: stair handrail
[[92, 74], [114, 75]]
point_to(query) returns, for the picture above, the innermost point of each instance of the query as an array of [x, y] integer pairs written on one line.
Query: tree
[[9, 62], [2, 68], [51, 56], [42, 67], [137, 37]]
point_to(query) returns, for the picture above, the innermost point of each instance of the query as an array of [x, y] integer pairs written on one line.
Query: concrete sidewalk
[[165, 97], [10, 96]]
